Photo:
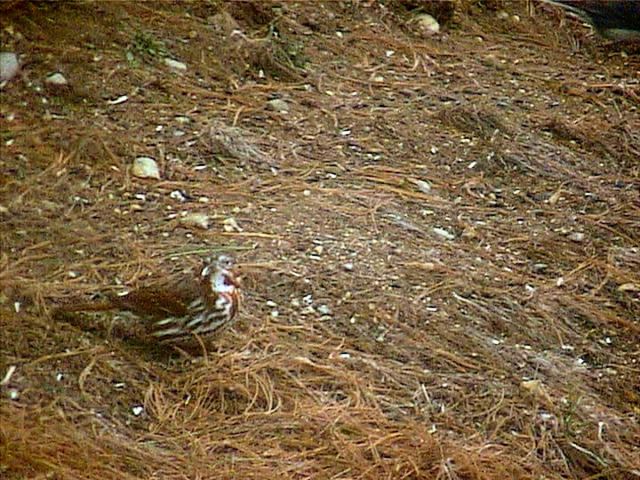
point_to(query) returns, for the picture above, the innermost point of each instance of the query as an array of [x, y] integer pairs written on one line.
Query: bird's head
[[219, 275]]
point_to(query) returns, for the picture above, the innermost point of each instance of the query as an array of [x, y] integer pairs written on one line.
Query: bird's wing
[[158, 302]]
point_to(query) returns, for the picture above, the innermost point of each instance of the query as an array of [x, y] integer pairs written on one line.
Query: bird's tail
[[75, 307]]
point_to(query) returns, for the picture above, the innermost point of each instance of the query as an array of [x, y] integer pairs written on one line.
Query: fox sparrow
[[195, 306]]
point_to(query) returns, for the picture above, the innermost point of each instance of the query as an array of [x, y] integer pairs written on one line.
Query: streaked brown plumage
[[202, 306]]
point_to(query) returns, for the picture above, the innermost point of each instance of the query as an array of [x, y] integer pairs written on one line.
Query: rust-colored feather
[[192, 306]]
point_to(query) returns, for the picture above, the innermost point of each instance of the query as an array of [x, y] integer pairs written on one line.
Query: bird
[[617, 20], [200, 306]]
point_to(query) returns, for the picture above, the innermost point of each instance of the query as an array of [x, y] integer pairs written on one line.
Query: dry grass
[[509, 350]]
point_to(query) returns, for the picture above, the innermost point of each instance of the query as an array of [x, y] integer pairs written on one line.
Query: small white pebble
[[137, 410], [324, 310], [348, 266], [230, 225], [271, 303], [200, 220], [442, 233], [577, 237], [145, 167]]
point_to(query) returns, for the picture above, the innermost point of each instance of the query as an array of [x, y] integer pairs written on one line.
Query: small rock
[[200, 220], [423, 186], [324, 310], [175, 64], [348, 266], [145, 167], [137, 410], [540, 267], [577, 237], [178, 195], [271, 303], [278, 105], [230, 225], [56, 79], [9, 66], [441, 232], [427, 24]]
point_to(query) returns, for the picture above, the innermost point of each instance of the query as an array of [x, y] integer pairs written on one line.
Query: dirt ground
[[438, 234]]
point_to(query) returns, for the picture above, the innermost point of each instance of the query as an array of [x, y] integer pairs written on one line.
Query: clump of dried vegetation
[[439, 242]]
